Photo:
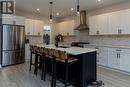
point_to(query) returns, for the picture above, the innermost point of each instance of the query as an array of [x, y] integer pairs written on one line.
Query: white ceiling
[[61, 6]]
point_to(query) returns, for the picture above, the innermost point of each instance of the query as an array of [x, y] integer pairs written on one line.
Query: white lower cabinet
[[113, 58], [102, 56], [119, 59], [125, 61]]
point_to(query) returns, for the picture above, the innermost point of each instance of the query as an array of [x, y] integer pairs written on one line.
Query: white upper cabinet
[[125, 22], [66, 28], [34, 27], [114, 22], [13, 20], [103, 24], [110, 23], [29, 27], [93, 25], [98, 24], [38, 27]]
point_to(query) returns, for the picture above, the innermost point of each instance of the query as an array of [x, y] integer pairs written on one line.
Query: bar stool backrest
[[63, 55], [42, 51], [37, 49], [46, 51], [56, 53], [50, 52]]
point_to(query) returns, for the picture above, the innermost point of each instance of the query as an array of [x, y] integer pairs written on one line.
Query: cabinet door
[[113, 59], [103, 24], [114, 22], [29, 27], [38, 27], [93, 25], [7, 19], [125, 21], [125, 61], [103, 56], [20, 20]]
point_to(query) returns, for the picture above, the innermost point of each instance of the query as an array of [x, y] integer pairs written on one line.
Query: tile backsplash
[[123, 40]]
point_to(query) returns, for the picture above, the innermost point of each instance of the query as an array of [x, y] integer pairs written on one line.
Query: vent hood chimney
[[83, 25]]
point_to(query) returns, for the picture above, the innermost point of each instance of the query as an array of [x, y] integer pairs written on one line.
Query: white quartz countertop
[[111, 46], [70, 50]]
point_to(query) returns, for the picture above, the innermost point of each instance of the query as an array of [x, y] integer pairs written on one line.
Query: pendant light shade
[[78, 9], [51, 17]]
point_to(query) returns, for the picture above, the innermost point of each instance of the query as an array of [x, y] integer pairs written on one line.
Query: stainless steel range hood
[[83, 25]]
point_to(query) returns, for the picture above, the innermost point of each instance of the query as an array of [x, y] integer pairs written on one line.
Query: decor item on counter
[[51, 5], [46, 38], [58, 38], [27, 41]]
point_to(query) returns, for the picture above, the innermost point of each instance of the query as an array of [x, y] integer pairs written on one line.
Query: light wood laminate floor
[[19, 76]]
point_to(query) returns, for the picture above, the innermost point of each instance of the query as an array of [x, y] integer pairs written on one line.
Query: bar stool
[[62, 58], [37, 59], [48, 55], [32, 51]]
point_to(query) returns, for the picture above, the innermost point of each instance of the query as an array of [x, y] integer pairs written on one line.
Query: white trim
[[115, 70]]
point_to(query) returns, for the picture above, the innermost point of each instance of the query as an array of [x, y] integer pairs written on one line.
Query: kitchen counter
[[69, 50], [86, 66], [111, 46]]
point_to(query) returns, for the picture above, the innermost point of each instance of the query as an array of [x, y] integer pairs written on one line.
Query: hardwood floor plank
[[20, 76]]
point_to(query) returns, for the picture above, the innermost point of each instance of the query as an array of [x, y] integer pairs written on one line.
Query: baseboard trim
[[115, 70]]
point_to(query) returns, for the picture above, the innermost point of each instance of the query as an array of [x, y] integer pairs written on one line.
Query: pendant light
[[51, 18], [78, 9]]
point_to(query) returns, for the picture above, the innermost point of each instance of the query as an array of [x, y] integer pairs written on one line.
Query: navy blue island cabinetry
[[87, 69]]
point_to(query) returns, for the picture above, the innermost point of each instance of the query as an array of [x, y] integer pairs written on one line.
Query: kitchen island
[[86, 66]]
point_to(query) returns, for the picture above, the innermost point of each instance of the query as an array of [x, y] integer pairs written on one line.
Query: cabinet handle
[[120, 31], [119, 55], [97, 32]]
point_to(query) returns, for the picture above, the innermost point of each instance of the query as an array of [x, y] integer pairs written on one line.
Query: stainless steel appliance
[[83, 25], [13, 44]]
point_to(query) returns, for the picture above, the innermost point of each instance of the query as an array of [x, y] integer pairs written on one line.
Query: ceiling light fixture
[[72, 9], [57, 13], [38, 9], [99, 0], [78, 9], [51, 18]]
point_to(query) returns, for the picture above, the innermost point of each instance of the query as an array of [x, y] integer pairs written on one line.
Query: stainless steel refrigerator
[[13, 44]]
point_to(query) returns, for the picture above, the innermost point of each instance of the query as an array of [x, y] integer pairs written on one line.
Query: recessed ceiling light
[[38, 9], [99, 0], [57, 13], [72, 9]]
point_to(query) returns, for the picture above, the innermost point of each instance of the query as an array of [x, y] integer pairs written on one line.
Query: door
[[38, 27], [125, 61], [113, 58], [8, 37], [7, 56], [125, 21], [114, 22], [29, 25], [103, 24], [93, 24], [19, 37]]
